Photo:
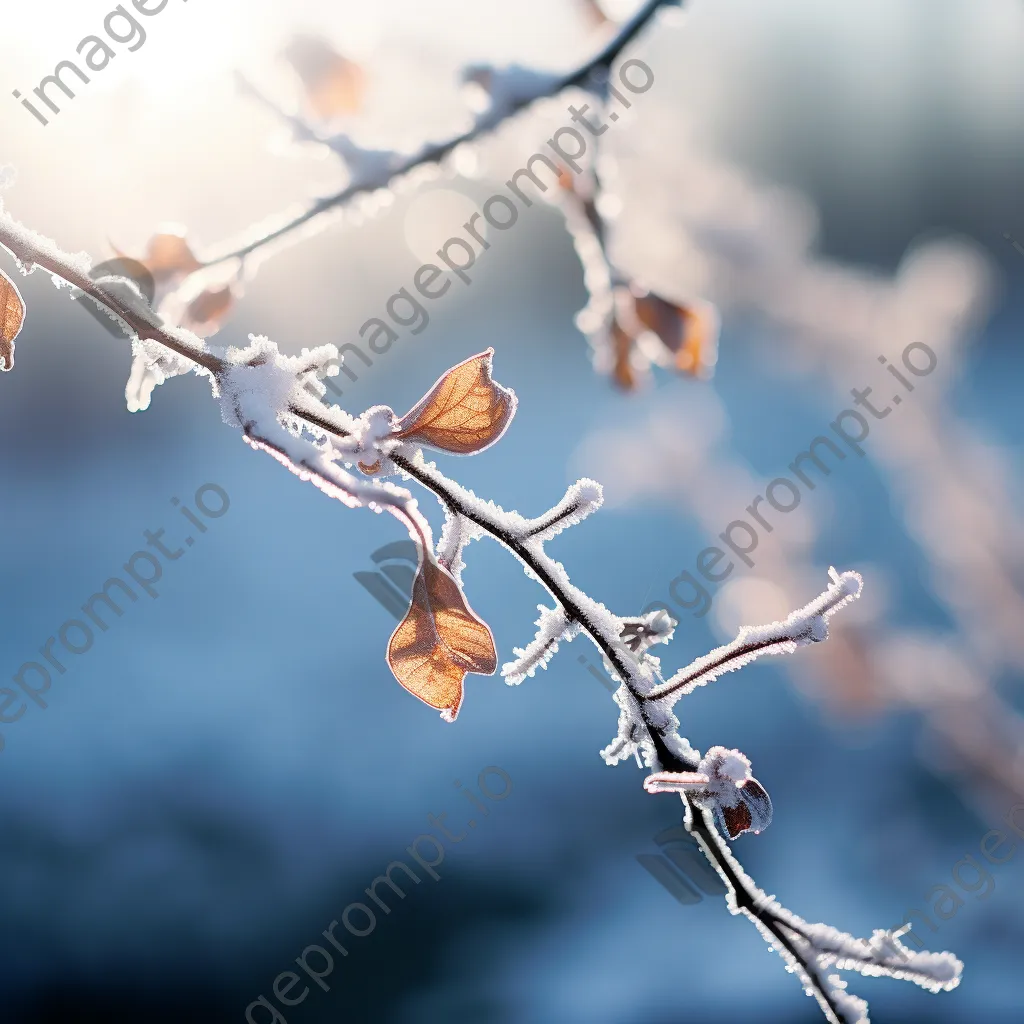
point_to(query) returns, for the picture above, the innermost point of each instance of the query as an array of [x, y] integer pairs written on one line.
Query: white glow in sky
[[162, 132]]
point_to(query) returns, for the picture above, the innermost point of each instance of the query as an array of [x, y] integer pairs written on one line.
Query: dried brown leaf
[[12, 317], [334, 85], [737, 819], [205, 314], [623, 372], [688, 332], [168, 256], [439, 641], [464, 412], [698, 353]]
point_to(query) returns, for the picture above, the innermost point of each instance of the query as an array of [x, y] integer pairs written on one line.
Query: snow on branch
[[581, 499], [258, 389], [723, 785], [553, 626], [816, 951], [458, 531], [807, 625], [656, 627], [365, 166], [500, 92], [645, 702], [31, 250]]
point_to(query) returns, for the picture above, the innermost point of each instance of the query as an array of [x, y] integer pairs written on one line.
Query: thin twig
[[435, 152], [710, 841], [674, 685], [558, 516], [180, 341]]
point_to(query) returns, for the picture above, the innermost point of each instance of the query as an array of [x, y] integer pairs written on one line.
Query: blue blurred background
[[231, 764]]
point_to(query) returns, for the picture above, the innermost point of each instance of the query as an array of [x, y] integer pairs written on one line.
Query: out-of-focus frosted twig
[[434, 152]]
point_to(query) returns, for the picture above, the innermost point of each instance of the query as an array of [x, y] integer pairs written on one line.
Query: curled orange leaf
[[623, 371], [12, 316], [688, 332], [334, 85], [206, 312], [168, 254], [463, 413], [439, 641]]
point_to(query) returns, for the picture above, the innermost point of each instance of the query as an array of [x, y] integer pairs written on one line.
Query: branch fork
[[276, 402]]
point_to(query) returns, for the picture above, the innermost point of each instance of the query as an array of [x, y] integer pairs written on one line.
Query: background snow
[[231, 764]]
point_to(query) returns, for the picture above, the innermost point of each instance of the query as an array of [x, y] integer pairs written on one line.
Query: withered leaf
[[168, 256], [463, 413], [758, 802], [12, 316], [737, 819], [752, 812], [689, 332], [206, 312], [698, 355], [439, 641], [622, 346], [334, 85]]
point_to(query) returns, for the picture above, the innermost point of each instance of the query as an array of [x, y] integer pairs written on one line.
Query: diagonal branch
[[437, 151], [744, 899], [806, 626], [809, 950], [31, 250]]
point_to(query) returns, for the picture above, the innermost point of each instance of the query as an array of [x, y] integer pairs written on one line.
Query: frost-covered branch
[[120, 297], [812, 951], [553, 627], [276, 402], [582, 498], [807, 625]]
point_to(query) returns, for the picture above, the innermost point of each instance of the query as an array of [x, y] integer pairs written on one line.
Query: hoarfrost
[[457, 532], [805, 626], [581, 499], [553, 626]]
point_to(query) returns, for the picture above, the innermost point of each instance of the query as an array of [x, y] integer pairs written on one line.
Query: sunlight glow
[[168, 52]]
